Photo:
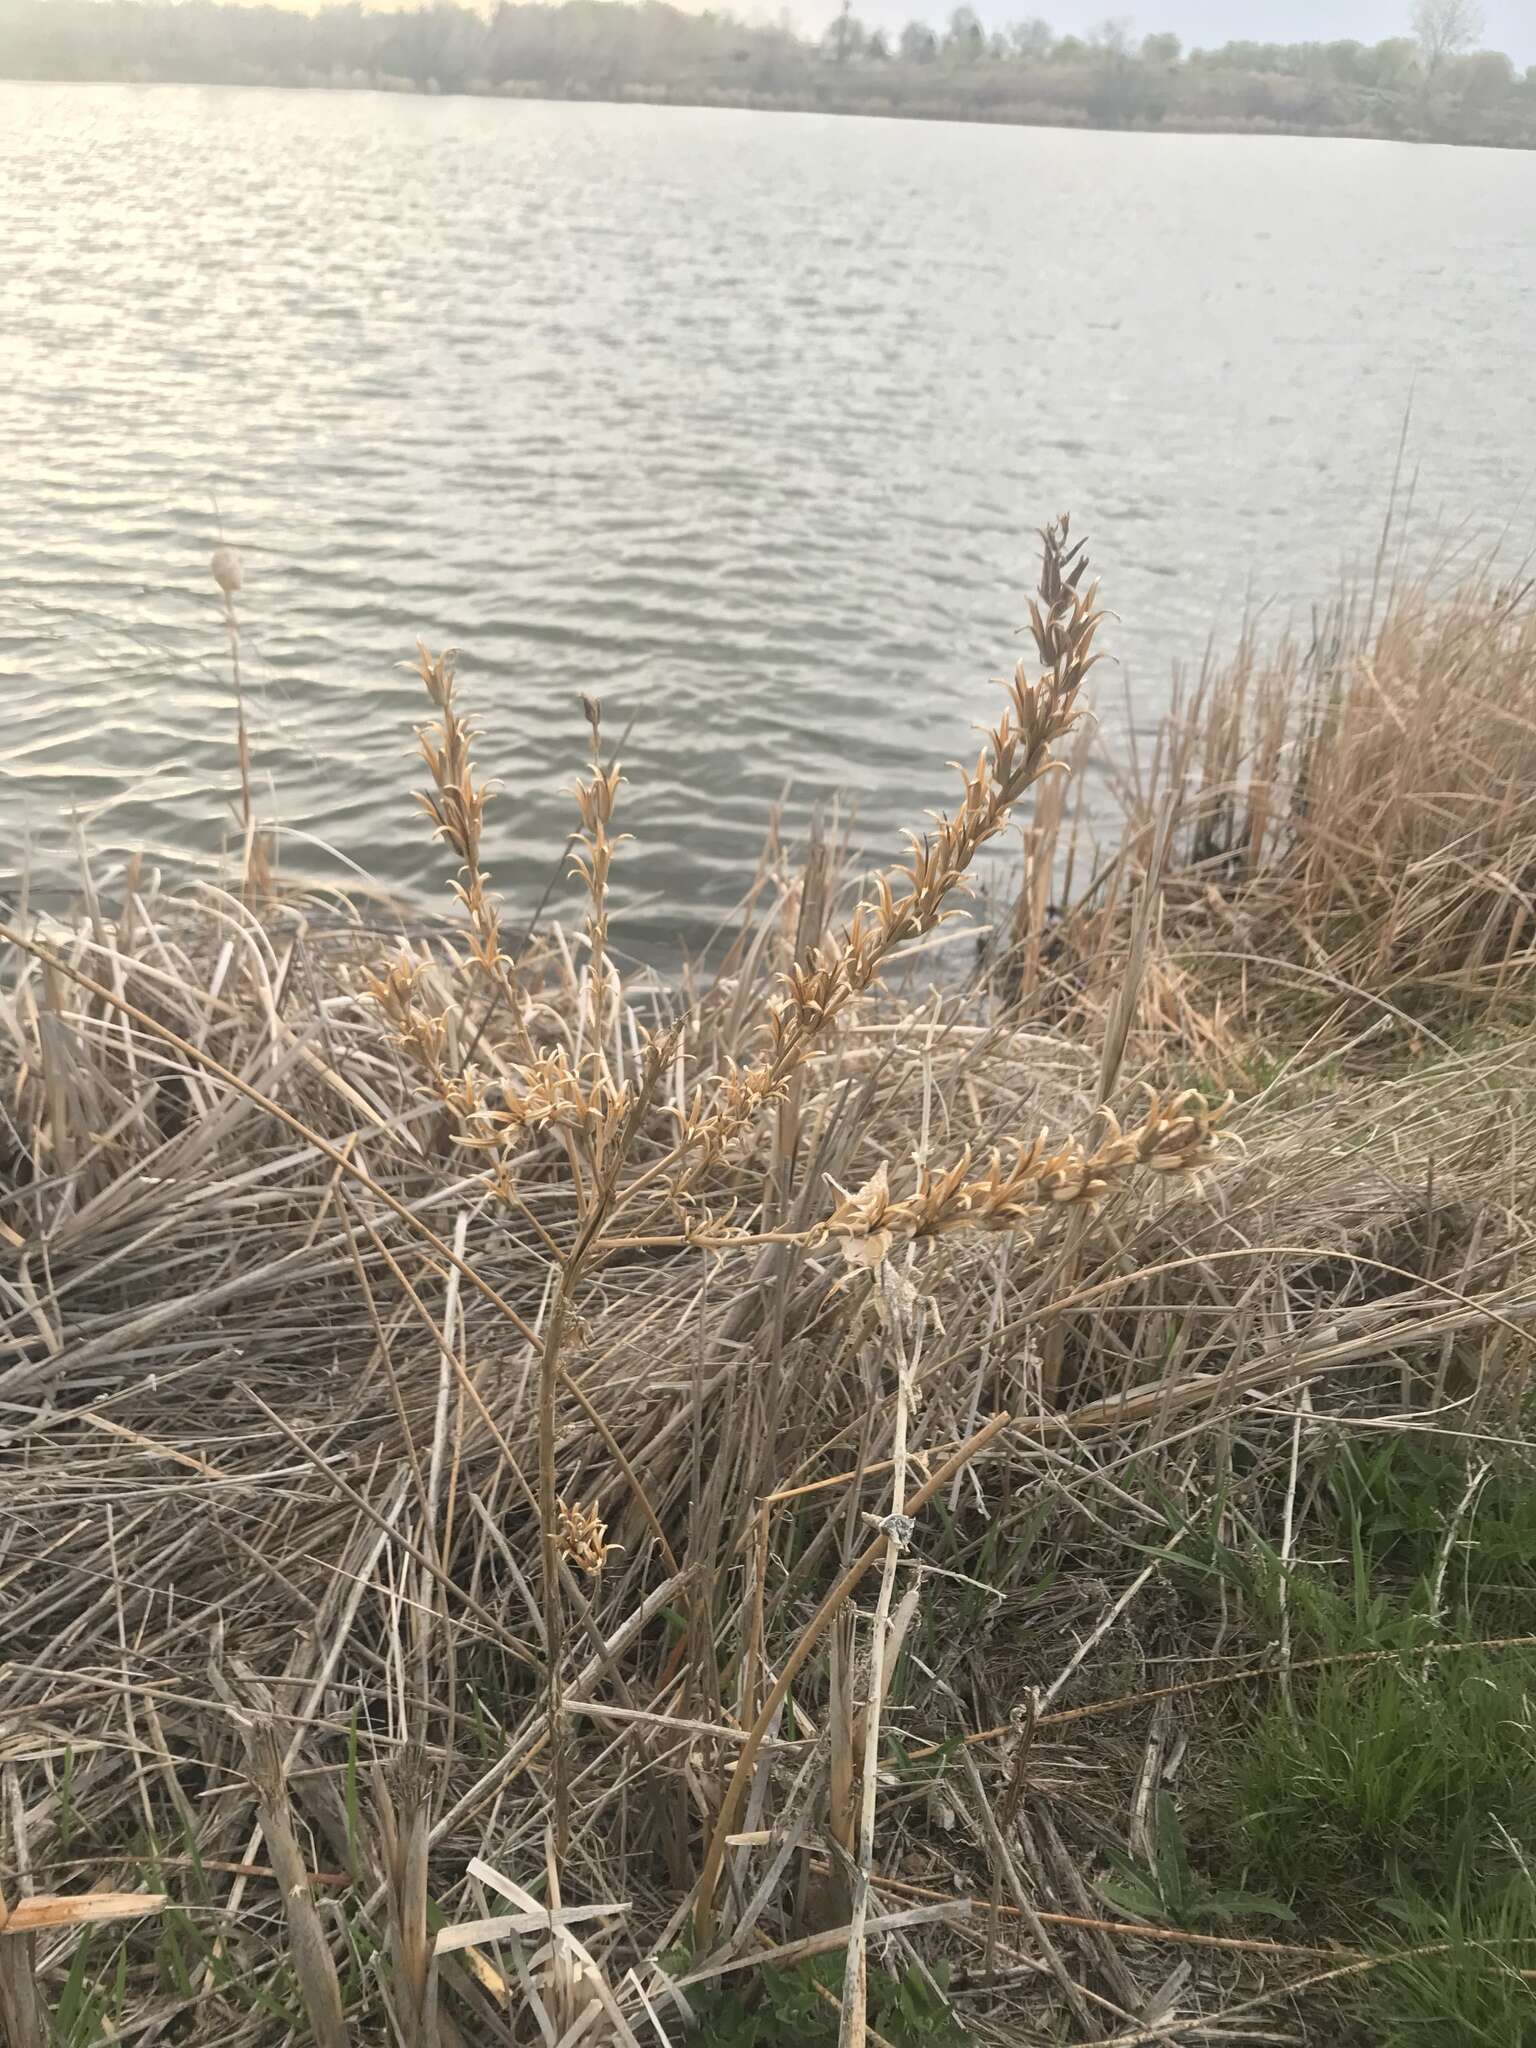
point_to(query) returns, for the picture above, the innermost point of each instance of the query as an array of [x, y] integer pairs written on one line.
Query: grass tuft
[[1396, 1776]]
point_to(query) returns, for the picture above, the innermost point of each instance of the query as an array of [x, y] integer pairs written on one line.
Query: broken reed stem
[[402, 1804], [308, 1949], [853, 2027], [552, 1602]]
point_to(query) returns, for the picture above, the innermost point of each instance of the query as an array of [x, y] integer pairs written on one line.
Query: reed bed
[[1343, 827], [539, 1504]]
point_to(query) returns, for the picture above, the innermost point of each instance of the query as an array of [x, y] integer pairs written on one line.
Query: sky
[[1510, 24]]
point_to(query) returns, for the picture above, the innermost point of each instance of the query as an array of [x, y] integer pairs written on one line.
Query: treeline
[[1428, 85], [588, 45]]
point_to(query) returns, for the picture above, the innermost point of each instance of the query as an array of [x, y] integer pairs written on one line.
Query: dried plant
[[402, 1803], [909, 901], [313, 1963], [303, 1273], [1354, 828], [224, 567], [595, 797], [455, 804], [583, 1537], [1174, 1138]]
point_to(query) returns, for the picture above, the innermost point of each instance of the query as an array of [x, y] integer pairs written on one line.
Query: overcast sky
[[1511, 24]]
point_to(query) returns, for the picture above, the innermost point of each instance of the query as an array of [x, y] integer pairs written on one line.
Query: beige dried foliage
[[583, 1537], [418, 1032], [1017, 1185], [525, 1089], [908, 901], [1354, 827], [226, 1284], [455, 804]]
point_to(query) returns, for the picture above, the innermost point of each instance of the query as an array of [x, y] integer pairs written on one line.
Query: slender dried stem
[[308, 1947], [854, 2026]]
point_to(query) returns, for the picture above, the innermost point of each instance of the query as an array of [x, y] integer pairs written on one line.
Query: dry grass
[[1344, 829], [455, 1401]]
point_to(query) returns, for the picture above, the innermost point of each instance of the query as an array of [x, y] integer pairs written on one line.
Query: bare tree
[[1445, 28], [845, 38], [1033, 38], [965, 36], [1113, 36]]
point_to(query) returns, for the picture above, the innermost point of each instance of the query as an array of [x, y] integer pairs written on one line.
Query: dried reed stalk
[[257, 880], [1354, 825], [810, 1636], [884, 1648], [402, 1802], [308, 1947]]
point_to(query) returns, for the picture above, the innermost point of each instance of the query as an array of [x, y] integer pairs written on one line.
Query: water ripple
[[740, 422]]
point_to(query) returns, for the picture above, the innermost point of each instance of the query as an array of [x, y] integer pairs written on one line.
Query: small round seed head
[[225, 569]]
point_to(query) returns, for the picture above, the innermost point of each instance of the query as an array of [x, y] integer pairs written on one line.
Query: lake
[[739, 422]]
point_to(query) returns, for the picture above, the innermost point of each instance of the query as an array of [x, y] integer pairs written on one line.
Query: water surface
[[740, 422]]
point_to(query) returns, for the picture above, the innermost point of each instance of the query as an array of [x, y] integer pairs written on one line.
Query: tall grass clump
[[1461, 1977], [548, 1505], [1397, 1776], [1344, 824]]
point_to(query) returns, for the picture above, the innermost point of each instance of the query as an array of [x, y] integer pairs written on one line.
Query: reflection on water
[[739, 422]]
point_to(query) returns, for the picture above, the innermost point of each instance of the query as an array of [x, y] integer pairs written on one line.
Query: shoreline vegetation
[[823, 1503], [1429, 87]]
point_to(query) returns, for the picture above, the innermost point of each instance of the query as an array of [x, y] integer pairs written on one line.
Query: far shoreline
[[790, 103]]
